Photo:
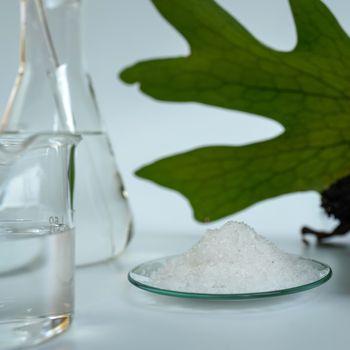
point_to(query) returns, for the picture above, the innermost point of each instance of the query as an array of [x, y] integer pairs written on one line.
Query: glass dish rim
[[235, 296]]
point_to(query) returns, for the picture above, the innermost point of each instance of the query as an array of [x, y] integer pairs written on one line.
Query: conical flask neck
[[52, 92], [51, 33]]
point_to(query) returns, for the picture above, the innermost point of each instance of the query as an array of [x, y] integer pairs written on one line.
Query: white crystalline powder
[[233, 259]]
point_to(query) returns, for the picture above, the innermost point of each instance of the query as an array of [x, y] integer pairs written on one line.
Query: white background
[[118, 33], [110, 313]]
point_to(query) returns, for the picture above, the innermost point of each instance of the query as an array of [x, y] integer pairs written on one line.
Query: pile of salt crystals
[[233, 259]]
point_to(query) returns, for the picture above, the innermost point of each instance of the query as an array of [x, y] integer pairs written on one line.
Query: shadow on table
[[258, 306]]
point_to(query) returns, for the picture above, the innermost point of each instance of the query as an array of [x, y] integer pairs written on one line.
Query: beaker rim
[[12, 143]]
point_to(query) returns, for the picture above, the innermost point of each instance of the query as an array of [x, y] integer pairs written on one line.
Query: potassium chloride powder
[[233, 259]]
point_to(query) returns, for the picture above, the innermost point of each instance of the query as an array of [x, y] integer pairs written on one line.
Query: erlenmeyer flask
[[52, 93]]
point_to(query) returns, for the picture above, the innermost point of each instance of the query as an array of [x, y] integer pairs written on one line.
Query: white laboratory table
[[112, 314]]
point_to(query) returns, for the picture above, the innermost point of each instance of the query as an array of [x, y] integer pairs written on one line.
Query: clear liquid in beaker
[[36, 282]]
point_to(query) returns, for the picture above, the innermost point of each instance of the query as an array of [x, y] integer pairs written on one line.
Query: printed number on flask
[[56, 220]]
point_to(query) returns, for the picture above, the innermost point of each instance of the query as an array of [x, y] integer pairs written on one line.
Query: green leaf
[[307, 90]]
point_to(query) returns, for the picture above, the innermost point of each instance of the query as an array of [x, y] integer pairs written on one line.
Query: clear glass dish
[[139, 276]]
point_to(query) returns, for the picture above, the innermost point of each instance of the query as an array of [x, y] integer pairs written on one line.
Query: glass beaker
[[53, 93], [36, 237]]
